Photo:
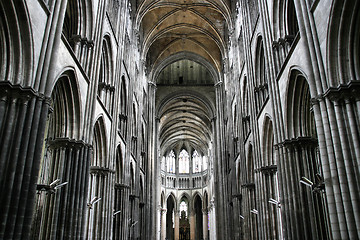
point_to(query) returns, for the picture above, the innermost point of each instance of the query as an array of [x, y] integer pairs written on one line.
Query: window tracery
[[196, 162], [184, 162], [171, 162]]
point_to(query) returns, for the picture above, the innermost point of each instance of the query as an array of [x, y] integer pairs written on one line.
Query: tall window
[[171, 162], [261, 84], [196, 162], [184, 161]]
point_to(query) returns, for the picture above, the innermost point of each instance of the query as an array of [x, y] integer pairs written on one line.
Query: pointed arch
[[65, 119], [119, 171], [100, 144], [16, 44], [132, 176], [245, 108], [250, 165], [106, 87], [268, 143], [300, 117], [261, 76], [302, 145], [270, 214], [78, 21], [198, 212], [171, 207], [343, 44], [285, 20], [123, 108], [64, 157]]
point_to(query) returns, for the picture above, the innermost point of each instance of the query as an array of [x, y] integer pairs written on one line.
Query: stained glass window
[[171, 162], [196, 162], [184, 161]]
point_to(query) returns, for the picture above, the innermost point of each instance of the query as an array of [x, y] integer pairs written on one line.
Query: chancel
[[180, 119]]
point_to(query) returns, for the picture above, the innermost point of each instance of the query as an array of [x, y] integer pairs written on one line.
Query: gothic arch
[[66, 107], [198, 215], [261, 81], [270, 214], [171, 207], [194, 195], [250, 165], [16, 44], [64, 156], [172, 196], [106, 80], [185, 195], [245, 108], [100, 144], [300, 118], [285, 19], [132, 176], [78, 21], [123, 96], [123, 118], [302, 148], [120, 195], [99, 171], [268, 142], [344, 42], [119, 171]]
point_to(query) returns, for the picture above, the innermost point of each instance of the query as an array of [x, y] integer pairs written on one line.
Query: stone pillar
[[152, 167], [192, 225], [163, 223], [63, 214], [177, 224], [212, 220], [99, 179], [205, 224]]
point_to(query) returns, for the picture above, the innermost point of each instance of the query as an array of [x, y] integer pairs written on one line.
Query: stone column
[[177, 224], [152, 167], [163, 223], [212, 221], [192, 225], [205, 224]]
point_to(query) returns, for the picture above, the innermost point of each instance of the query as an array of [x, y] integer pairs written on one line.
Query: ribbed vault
[[185, 120], [172, 26]]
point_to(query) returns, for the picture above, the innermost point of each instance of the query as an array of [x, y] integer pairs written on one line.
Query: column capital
[[163, 210]]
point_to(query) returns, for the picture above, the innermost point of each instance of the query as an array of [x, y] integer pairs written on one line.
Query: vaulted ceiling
[[184, 42], [185, 119], [171, 27]]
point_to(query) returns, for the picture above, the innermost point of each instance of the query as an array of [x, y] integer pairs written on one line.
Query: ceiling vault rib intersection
[[172, 26]]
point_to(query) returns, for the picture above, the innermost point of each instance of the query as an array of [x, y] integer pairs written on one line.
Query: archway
[[198, 218], [170, 218], [184, 225]]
